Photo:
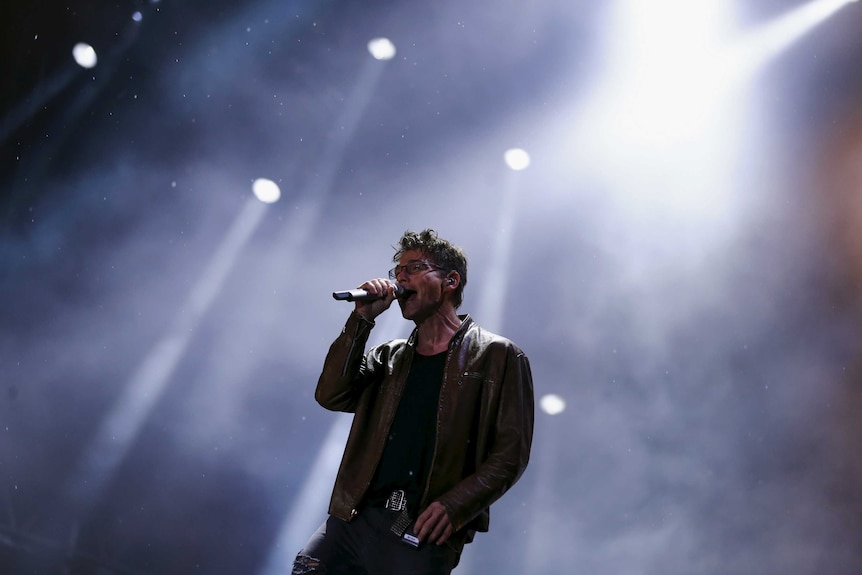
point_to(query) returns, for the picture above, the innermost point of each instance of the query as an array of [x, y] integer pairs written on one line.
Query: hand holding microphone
[[360, 294], [373, 297]]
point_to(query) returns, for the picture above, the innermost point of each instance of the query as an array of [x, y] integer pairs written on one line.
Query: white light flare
[[552, 404], [670, 108], [681, 62], [656, 112], [266, 190], [660, 86], [382, 49], [517, 159], [84, 55]]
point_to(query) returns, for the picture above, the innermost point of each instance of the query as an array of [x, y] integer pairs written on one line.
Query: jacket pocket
[[472, 378]]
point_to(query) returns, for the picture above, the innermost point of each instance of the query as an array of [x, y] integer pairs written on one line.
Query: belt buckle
[[397, 501]]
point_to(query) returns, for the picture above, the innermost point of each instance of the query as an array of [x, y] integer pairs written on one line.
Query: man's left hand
[[434, 525]]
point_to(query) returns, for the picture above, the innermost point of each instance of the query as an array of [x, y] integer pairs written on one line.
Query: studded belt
[[397, 501]]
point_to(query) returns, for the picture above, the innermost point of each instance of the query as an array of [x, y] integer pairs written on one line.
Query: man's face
[[418, 274]]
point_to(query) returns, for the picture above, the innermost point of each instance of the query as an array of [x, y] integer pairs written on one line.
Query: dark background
[[681, 265]]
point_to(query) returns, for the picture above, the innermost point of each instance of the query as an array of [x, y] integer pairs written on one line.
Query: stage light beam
[[761, 46], [299, 522], [121, 426]]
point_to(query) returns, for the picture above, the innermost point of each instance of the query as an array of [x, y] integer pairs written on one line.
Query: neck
[[436, 331]]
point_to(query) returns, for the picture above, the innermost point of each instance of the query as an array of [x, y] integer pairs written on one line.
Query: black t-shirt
[[409, 448]]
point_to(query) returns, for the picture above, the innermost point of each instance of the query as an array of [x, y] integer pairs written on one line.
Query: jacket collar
[[466, 322]]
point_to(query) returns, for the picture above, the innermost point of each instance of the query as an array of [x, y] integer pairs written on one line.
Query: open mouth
[[407, 294]]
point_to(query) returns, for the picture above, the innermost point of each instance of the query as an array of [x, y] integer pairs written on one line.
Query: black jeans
[[366, 546]]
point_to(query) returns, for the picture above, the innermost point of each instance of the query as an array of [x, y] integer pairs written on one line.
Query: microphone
[[362, 295]]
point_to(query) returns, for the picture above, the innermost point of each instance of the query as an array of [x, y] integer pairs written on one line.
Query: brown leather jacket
[[484, 420]]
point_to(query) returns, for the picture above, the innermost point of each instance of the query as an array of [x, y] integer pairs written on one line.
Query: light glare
[[517, 159], [84, 55], [266, 190], [552, 404], [381, 48]]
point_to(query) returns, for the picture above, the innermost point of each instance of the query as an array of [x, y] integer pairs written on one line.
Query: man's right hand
[[371, 309]]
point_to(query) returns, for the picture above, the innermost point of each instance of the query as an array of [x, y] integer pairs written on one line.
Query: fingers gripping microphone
[[362, 295]]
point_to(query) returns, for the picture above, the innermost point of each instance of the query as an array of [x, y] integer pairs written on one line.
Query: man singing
[[442, 425]]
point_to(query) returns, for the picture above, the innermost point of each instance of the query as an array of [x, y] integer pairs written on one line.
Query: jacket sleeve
[[346, 372], [509, 450]]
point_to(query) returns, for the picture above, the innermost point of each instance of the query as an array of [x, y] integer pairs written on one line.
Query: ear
[[453, 279]]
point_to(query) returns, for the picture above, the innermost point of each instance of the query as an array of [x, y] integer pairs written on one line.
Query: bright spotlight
[[381, 48], [517, 159], [552, 404], [84, 55], [266, 190], [137, 16]]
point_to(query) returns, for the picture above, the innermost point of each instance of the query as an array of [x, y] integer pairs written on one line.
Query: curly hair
[[440, 252]]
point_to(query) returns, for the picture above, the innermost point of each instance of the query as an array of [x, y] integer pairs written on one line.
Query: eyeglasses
[[412, 268]]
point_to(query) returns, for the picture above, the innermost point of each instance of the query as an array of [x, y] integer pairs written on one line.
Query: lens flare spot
[[517, 159], [84, 55], [552, 404], [382, 48], [266, 190]]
